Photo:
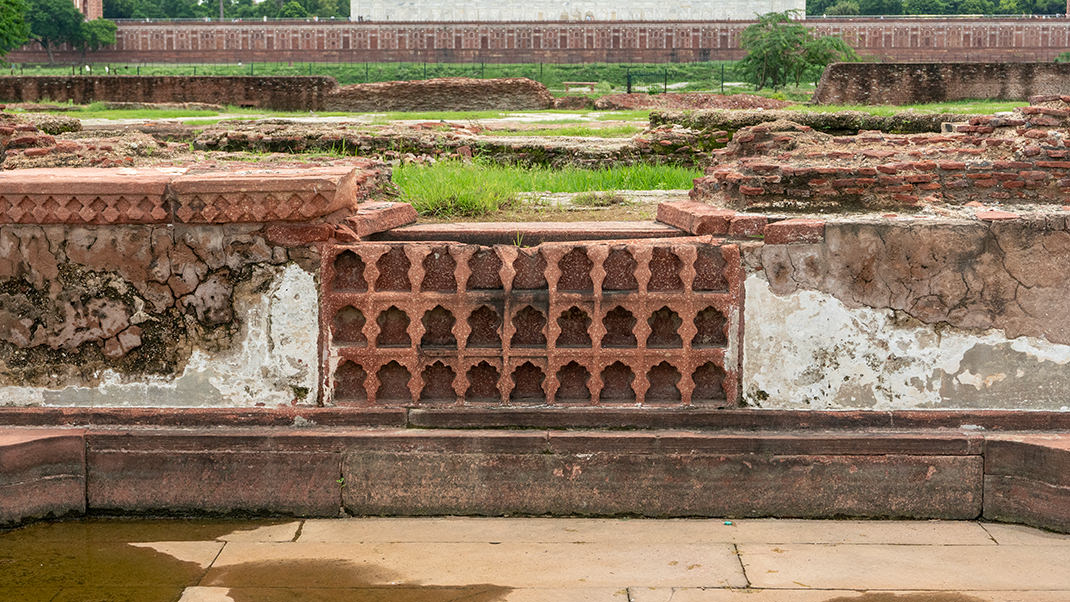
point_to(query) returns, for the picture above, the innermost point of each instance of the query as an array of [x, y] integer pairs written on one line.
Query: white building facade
[[567, 10]]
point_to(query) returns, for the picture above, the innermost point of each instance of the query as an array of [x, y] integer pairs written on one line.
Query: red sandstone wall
[[867, 83], [286, 93], [1009, 39], [452, 94]]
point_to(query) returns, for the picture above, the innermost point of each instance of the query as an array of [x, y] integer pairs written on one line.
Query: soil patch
[[687, 101]]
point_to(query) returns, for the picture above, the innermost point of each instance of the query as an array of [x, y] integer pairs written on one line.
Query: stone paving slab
[[512, 564], [928, 567], [698, 531], [1012, 535], [638, 594]]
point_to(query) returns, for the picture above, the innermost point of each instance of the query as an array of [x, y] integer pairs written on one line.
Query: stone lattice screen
[[631, 322]]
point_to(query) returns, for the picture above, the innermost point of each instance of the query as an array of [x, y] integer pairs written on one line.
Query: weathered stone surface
[[264, 195], [868, 83], [85, 196], [82, 306], [663, 485], [695, 218], [214, 473], [968, 275], [42, 473], [442, 94]]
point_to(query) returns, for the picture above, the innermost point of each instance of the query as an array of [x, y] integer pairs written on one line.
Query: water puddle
[[157, 560]]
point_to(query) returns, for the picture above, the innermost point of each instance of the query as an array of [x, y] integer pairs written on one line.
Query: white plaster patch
[[809, 350], [273, 363]]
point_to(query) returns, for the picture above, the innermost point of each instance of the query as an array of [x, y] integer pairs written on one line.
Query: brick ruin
[[833, 325], [298, 93], [865, 83]]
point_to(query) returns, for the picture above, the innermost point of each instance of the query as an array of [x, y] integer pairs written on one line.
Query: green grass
[[969, 107], [611, 76], [452, 188], [583, 131]]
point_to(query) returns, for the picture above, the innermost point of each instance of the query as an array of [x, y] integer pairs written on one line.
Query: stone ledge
[[529, 233], [301, 471], [99, 196], [701, 419]]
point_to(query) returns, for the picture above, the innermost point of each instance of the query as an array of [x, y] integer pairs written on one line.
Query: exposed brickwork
[[608, 323], [453, 94], [868, 83], [906, 39], [285, 93], [784, 166]]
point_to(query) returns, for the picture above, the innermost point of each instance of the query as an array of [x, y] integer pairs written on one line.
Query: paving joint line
[[743, 569], [988, 533]]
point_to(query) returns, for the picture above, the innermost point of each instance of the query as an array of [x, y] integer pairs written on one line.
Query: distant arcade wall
[[566, 10], [918, 40]]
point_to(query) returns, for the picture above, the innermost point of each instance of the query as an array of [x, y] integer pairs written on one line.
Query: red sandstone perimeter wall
[[1007, 39], [284, 93], [867, 83]]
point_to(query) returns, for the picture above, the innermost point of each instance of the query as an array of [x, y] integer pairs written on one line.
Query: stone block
[[372, 218], [695, 218], [254, 471], [85, 196], [263, 195], [795, 231], [605, 482], [42, 473]]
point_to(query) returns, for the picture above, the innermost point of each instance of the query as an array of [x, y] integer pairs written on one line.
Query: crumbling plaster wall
[[909, 314], [159, 315]]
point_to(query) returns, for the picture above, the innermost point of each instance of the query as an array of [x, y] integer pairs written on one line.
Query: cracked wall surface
[[1008, 276], [807, 349], [155, 315], [912, 314]]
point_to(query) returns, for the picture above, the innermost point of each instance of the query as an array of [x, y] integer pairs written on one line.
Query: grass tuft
[[453, 188], [966, 107]]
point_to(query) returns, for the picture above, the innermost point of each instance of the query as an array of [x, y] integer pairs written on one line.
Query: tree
[[293, 10], [95, 35], [843, 8], [780, 49], [54, 22], [13, 28]]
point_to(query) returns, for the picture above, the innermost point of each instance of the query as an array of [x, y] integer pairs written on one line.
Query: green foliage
[[54, 22], [1063, 58], [939, 7], [452, 188], [964, 107], [293, 10], [780, 49], [95, 35], [844, 7], [14, 31]]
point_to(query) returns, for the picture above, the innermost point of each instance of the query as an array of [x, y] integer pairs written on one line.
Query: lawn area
[[583, 131], [611, 76], [452, 188], [969, 107]]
